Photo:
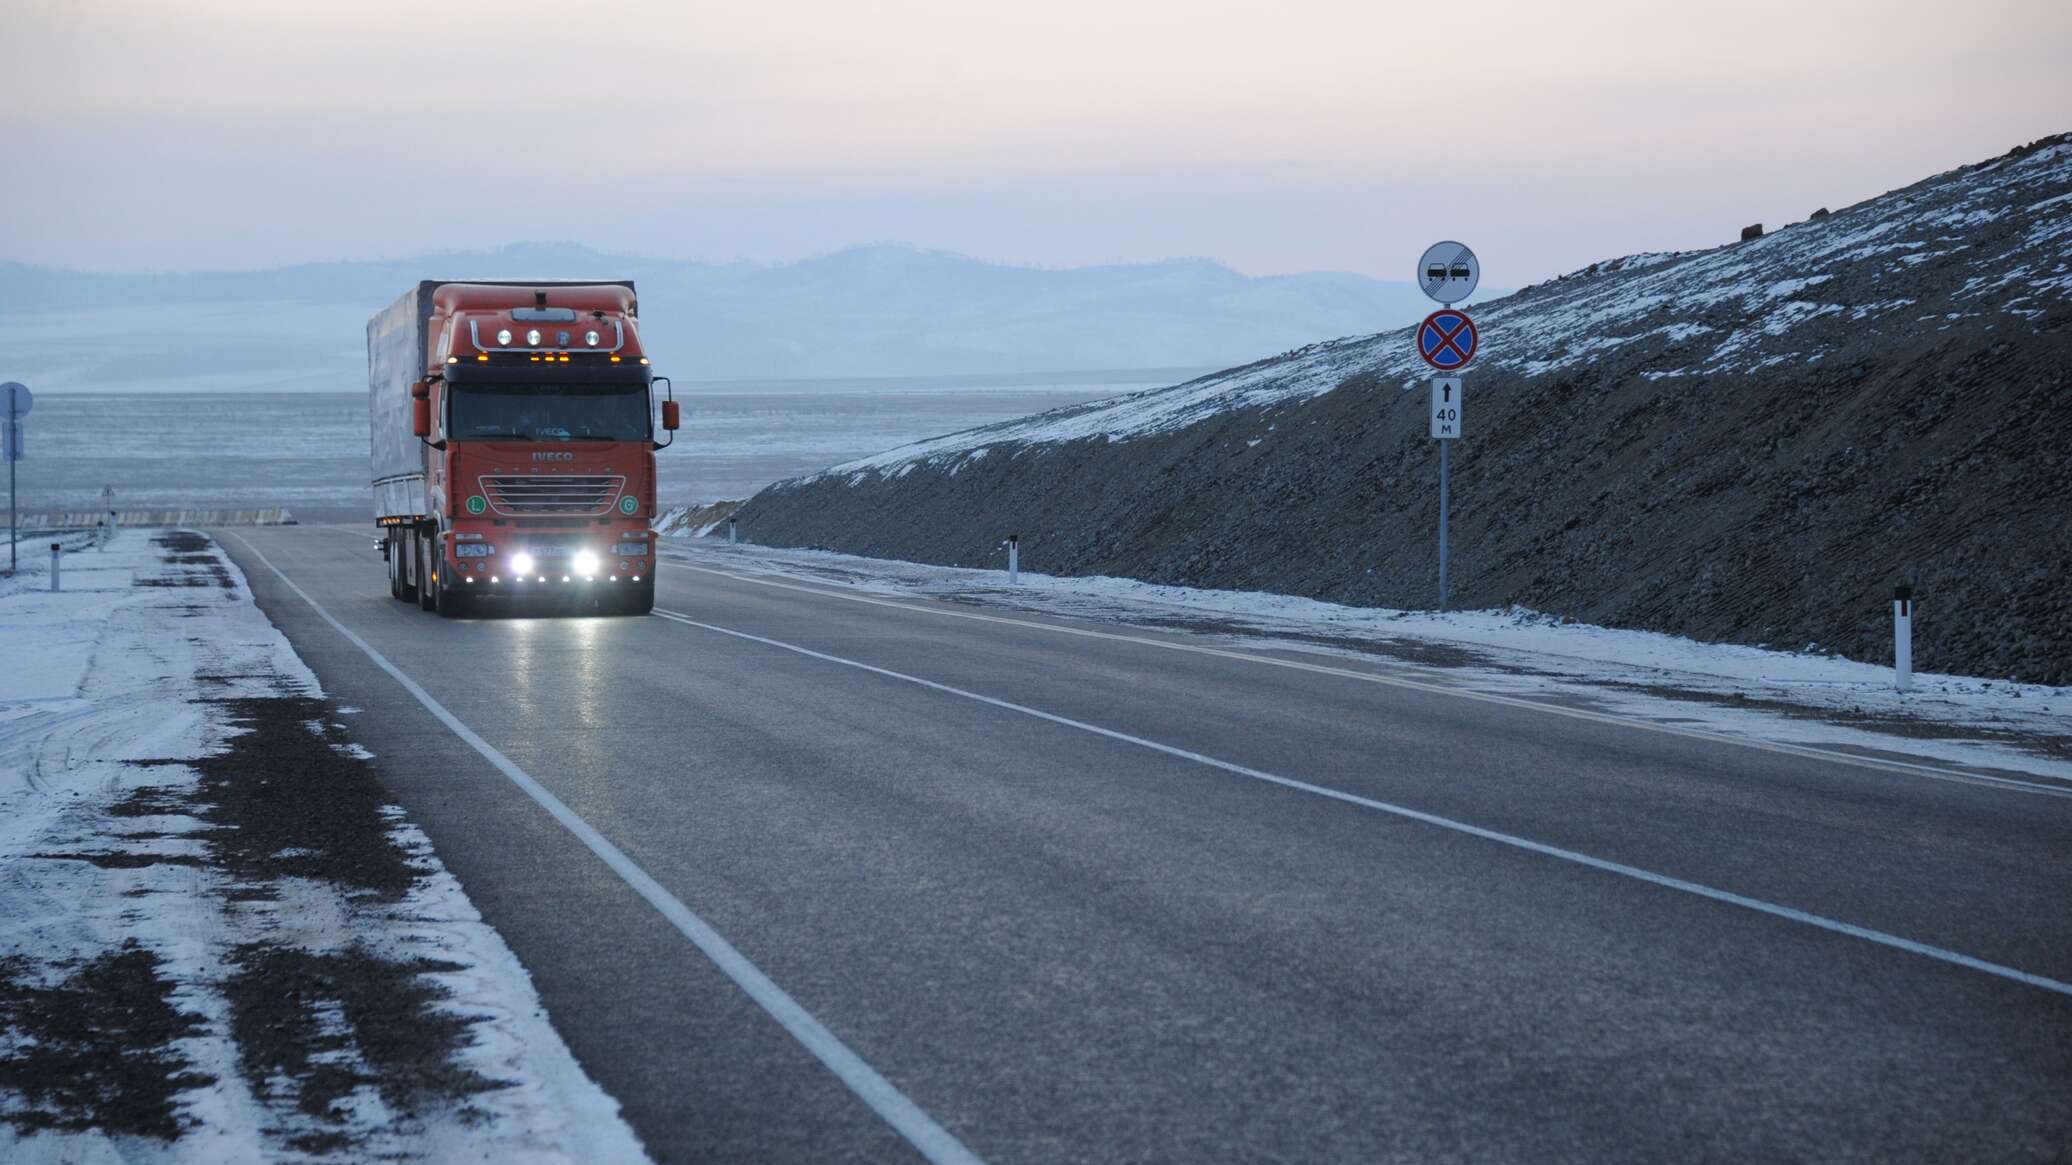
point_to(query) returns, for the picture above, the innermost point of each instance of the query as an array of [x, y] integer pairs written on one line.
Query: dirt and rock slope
[[1752, 444]]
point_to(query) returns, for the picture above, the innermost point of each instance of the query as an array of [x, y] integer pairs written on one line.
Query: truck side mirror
[[421, 417], [669, 415]]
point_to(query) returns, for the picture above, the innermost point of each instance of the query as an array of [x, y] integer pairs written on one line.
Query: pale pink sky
[[1277, 137]]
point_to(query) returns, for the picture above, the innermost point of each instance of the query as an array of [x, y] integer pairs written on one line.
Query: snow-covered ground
[[189, 970], [1806, 699]]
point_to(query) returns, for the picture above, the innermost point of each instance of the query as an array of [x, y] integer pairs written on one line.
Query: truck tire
[[427, 590], [638, 599], [399, 576], [454, 604]]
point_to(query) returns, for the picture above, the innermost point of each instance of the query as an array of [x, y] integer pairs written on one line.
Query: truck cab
[[533, 412]]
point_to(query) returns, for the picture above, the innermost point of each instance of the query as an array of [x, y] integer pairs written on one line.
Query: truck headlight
[[585, 562], [532, 338], [503, 337], [591, 338], [521, 563]]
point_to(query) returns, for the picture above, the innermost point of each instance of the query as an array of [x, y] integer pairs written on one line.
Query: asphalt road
[[988, 888]]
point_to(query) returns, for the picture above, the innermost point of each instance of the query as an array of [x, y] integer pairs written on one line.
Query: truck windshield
[[550, 412]]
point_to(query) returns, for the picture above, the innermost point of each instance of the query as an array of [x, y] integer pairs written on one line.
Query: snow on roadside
[[1762, 694], [218, 943]]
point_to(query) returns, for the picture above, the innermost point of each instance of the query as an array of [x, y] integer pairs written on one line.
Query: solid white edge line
[[1798, 750], [1956, 958], [920, 1130]]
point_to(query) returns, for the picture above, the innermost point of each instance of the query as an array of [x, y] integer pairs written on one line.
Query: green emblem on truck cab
[[477, 504], [628, 504]]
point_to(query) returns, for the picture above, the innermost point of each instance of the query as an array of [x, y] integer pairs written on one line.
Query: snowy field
[[1988, 727], [218, 941]]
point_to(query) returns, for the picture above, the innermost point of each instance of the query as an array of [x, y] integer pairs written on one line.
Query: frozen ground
[[1803, 699], [218, 942]]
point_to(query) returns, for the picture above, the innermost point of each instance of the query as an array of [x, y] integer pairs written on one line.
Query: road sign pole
[[13, 435], [1448, 272], [1443, 474], [19, 400]]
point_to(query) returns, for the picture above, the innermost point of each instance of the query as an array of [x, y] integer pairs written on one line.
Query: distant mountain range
[[868, 311]]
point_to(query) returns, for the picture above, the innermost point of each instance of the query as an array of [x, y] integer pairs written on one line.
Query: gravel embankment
[[1754, 452]]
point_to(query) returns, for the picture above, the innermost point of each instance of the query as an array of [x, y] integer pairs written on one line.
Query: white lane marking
[[1806, 751], [920, 1130], [1793, 914]]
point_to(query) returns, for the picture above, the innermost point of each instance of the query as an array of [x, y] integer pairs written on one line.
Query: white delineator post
[[733, 533], [54, 550], [1014, 559], [1903, 638]]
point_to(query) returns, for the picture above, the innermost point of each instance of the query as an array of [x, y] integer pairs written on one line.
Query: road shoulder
[[220, 940]]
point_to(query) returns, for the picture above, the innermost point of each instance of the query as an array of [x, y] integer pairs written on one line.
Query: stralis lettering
[[553, 457]]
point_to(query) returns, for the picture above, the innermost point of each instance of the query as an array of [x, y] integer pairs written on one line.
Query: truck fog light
[[492, 578], [636, 578], [586, 563], [521, 563]]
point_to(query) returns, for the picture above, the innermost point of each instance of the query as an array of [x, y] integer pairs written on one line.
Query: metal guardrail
[[88, 519]]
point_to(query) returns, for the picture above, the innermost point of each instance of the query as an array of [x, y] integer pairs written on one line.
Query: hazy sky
[[1277, 137]]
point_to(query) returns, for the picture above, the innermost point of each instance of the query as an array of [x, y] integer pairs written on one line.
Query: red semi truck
[[512, 432]]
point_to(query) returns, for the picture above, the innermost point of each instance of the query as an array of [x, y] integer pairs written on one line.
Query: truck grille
[[567, 495]]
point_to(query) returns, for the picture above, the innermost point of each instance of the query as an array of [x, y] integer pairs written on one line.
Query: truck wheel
[[427, 590], [636, 600], [453, 604], [399, 577]]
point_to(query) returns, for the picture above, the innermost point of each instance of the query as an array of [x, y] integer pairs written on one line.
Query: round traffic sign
[[15, 397], [1449, 272], [1446, 339]]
